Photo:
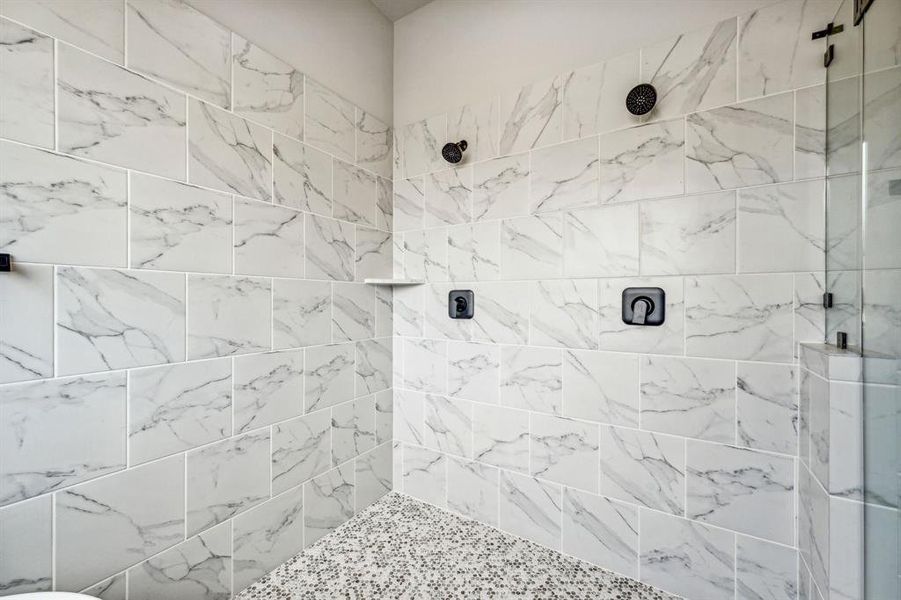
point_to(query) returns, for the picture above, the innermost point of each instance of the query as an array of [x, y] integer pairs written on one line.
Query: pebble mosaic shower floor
[[402, 548]]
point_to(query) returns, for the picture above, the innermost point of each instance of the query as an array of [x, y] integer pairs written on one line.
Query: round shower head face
[[641, 99], [453, 153]]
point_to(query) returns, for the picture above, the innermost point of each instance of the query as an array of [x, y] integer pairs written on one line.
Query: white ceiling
[[395, 9]]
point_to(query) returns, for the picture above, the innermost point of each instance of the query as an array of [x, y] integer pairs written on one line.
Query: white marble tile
[[425, 475], [880, 310], [26, 310], [425, 365], [477, 125], [642, 162], [601, 241], [373, 476], [267, 89], [98, 27], [353, 429], [330, 121], [472, 490], [301, 313], [564, 176], [26, 542], [384, 311], [882, 211], [473, 371], [643, 468], [689, 235], [689, 397], [59, 432], [374, 144], [328, 502], [200, 567], [767, 407], [384, 416], [565, 451], [448, 197], [501, 188], [384, 204], [27, 100], [110, 319], [302, 176], [565, 313], [601, 531], [408, 302], [810, 316], [178, 407], [447, 425], [782, 228], [177, 227], [353, 311], [531, 116], [174, 42], [425, 254], [268, 388], [226, 478], [843, 126], [328, 376], [810, 132], [532, 379], [750, 143], [420, 147], [131, 515], [268, 239], [882, 103], [301, 449], [813, 527], [329, 249], [747, 317], [112, 115], [355, 194], [687, 558], [616, 335], [373, 366], [776, 52], [847, 431], [532, 247], [742, 490], [47, 201], [229, 153], [409, 411], [694, 70], [501, 436], [531, 509], [239, 322], [474, 251], [114, 588], [765, 570], [502, 316], [881, 44], [409, 203], [601, 386], [593, 96]]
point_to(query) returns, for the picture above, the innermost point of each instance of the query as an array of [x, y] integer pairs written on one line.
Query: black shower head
[[453, 153], [641, 99]]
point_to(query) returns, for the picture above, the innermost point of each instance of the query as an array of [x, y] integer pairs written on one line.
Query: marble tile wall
[[670, 453], [195, 382]]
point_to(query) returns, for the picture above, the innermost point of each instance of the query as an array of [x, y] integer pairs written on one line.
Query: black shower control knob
[[462, 304]]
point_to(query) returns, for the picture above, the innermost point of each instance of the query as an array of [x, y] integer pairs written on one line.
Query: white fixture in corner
[[394, 281]]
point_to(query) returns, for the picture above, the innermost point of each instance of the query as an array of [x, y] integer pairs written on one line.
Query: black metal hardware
[[827, 300], [860, 9], [6, 263], [461, 304], [644, 306], [831, 29], [828, 56], [841, 340]]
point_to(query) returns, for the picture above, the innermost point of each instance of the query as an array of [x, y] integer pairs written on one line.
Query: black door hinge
[[828, 56], [831, 29], [827, 300]]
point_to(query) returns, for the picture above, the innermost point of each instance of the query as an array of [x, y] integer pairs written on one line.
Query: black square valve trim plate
[[644, 306], [461, 304]]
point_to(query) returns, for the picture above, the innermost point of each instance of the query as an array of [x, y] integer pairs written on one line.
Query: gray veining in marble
[[267, 388], [330, 121], [329, 249], [448, 197], [302, 176], [26, 543], [600, 386], [501, 436], [531, 116], [564, 313], [328, 502], [267, 89], [531, 509], [564, 176], [353, 429], [301, 313], [301, 449], [27, 101], [26, 341], [601, 531], [268, 239], [477, 124], [374, 144], [228, 315], [447, 425], [565, 451], [592, 96], [328, 375], [642, 162], [501, 188], [355, 194]]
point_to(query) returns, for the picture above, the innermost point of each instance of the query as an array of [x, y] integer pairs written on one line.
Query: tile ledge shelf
[[393, 281]]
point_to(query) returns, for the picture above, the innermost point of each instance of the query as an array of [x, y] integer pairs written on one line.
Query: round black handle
[[461, 304], [644, 299]]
